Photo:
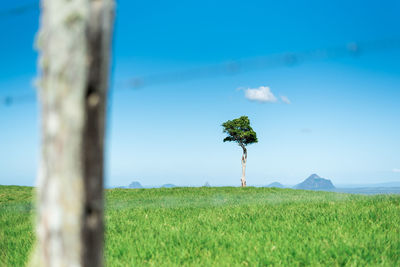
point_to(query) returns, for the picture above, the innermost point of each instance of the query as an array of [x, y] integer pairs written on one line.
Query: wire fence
[[16, 11], [353, 49], [289, 59]]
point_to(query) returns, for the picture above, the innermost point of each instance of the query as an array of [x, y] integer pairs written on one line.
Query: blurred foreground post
[[74, 43]]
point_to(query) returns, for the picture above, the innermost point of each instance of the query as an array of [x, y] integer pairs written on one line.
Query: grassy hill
[[226, 227]]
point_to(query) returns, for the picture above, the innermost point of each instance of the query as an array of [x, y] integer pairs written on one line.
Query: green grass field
[[226, 227]]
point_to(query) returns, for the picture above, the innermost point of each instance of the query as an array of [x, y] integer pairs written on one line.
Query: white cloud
[[260, 94], [285, 99], [396, 170]]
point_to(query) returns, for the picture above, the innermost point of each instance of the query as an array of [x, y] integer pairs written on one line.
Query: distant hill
[[276, 184], [135, 185], [314, 182], [168, 186]]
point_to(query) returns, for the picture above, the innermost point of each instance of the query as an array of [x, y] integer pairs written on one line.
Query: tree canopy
[[239, 130]]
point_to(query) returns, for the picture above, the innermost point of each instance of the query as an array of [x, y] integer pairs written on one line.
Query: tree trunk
[[244, 161], [74, 41]]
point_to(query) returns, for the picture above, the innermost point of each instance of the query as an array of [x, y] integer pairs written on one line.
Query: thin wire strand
[[354, 49], [16, 11], [19, 99]]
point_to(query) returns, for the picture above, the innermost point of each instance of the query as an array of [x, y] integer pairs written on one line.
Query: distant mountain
[[314, 182], [276, 184], [168, 186], [207, 184], [135, 185]]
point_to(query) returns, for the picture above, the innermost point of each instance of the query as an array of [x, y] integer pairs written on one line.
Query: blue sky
[[342, 121]]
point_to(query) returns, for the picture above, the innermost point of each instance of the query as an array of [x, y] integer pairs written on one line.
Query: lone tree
[[240, 131]]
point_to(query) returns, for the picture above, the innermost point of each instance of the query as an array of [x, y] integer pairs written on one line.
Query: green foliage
[[16, 225], [227, 226], [240, 131]]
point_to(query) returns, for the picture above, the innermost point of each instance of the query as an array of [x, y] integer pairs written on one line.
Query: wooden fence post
[[74, 43]]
